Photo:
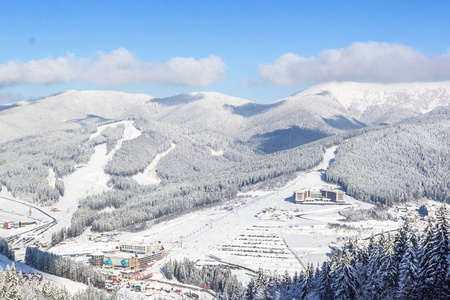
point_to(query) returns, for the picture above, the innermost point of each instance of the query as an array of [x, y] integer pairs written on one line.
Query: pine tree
[[425, 265], [309, 279], [401, 242], [261, 285], [408, 279], [439, 257], [299, 290], [345, 282], [325, 282], [251, 290]]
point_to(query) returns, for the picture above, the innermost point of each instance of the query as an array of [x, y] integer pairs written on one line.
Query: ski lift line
[[293, 253]]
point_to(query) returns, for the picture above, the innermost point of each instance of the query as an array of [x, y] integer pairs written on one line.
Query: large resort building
[[132, 257], [319, 196], [142, 249]]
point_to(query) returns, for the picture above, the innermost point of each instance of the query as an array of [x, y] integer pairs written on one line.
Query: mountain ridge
[[328, 108]]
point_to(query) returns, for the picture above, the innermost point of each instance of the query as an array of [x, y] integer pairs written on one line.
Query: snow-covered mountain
[[321, 110], [374, 103], [207, 111], [203, 148], [70, 109]]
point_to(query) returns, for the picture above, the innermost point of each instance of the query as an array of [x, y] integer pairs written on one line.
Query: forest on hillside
[[191, 177], [397, 163], [25, 163], [383, 164]]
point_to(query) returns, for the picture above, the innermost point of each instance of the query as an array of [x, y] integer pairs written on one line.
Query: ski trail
[[89, 179], [149, 175]]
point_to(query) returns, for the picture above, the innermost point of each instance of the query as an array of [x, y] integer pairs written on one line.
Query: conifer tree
[[326, 282], [345, 282], [408, 270], [439, 257], [425, 264]]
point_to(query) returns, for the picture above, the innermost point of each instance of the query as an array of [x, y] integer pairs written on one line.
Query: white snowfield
[[149, 176], [216, 153]]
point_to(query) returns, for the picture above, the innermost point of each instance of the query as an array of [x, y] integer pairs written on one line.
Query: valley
[[236, 234], [208, 179]]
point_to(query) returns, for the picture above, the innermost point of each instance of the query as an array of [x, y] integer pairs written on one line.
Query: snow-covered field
[[12, 209]]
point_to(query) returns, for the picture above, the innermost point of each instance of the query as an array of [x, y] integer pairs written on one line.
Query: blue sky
[[258, 50]]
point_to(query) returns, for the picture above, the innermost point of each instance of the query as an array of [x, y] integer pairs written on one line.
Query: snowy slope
[[317, 113], [200, 110], [378, 103], [89, 179], [71, 286], [68, 110]]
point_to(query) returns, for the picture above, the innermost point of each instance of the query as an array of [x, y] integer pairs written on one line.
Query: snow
[[327, 158], [63, 110], [89, 179], [296, 234], [202, 110], [363, 95], [163, 289], [216, 153], [71, 286], [51, 178], [149, 176], [288, 235]]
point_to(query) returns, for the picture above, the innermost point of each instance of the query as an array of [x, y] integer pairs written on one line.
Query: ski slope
[[89, 179], [149, 176], [207, 235]]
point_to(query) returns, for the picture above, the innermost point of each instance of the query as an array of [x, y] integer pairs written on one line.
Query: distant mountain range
[[318, 111]]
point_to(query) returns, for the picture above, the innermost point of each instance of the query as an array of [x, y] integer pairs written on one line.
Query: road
[[14, 239]]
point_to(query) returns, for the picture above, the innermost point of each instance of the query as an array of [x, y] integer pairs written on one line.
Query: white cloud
[[118, 67], [187, 71], [371, 61]]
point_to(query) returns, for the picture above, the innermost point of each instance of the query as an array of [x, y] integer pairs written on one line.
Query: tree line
[[216, 278], [397, 163], [63, 267], [15, 286]]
